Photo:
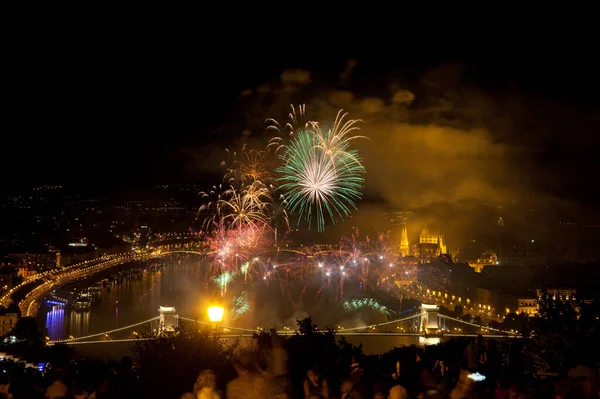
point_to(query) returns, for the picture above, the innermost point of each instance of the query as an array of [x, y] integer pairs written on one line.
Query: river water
[[180, 282]]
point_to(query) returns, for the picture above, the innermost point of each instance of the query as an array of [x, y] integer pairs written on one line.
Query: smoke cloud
[[437, 146]]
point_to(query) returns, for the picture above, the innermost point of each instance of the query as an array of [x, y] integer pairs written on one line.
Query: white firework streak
[[312, 179]]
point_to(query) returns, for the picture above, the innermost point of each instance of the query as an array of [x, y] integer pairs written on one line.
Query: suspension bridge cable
[[384, 324], [106, 332], [112, 341], [210, 324], [472, 324]]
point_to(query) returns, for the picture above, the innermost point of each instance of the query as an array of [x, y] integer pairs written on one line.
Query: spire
[[443, 249], [404, 249]]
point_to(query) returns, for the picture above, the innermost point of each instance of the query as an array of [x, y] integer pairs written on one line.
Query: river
[[178, 282]]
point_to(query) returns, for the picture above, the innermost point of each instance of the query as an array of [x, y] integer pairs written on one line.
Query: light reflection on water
[[133, 300], [79, 324], [180, 285], [55, 319]]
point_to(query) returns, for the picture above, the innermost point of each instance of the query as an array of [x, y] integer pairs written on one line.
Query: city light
[[215, 314]]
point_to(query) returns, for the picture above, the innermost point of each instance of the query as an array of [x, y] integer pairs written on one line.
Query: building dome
[[432, 240], [430, 232]]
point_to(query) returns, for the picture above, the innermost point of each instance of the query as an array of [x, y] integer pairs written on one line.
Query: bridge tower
[[429, 324], [429, 318], [168, 318]]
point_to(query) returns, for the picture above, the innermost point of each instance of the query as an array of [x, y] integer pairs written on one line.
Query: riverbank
[[31, 302]]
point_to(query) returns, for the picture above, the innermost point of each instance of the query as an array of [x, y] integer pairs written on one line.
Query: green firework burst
[[321, 176]]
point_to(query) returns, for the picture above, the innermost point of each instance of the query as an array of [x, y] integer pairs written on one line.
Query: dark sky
[[138, 110]]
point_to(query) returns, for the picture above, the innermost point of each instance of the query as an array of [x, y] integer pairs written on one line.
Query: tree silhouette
[[13, 308], [458, 311], [170, 364], [27, 329], [561, 337], [305, 326]]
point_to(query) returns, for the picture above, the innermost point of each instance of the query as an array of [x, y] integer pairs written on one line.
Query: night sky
[[134, 112]]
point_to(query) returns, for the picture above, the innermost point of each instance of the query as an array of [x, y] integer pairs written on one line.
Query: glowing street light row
[[61, 277]]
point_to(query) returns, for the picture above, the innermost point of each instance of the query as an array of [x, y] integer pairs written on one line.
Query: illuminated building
[[404, 247], [39, 261], [530, 306], [558, 294], [527, 306], [489, 258], [78, 242], [7, 322], [399, 219], [26, 271], [431, 243]]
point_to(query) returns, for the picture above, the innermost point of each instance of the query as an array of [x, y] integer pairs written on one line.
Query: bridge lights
[[320, 264]]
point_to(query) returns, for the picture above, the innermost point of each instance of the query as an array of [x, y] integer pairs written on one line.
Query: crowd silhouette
[[311, 364]]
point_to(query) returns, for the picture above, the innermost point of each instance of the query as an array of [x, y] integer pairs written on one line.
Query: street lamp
[[215, 315]]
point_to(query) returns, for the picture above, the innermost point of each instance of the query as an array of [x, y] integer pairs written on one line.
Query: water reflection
[[131, 300], [183, 284], [79, 323], [55, 320]]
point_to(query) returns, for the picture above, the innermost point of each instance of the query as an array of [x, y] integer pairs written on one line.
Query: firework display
[[246, 166], [357, 304], [313, 175], [319, 174], [240, 306]]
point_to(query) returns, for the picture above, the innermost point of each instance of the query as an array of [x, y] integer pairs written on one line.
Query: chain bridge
[[425, 323]]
